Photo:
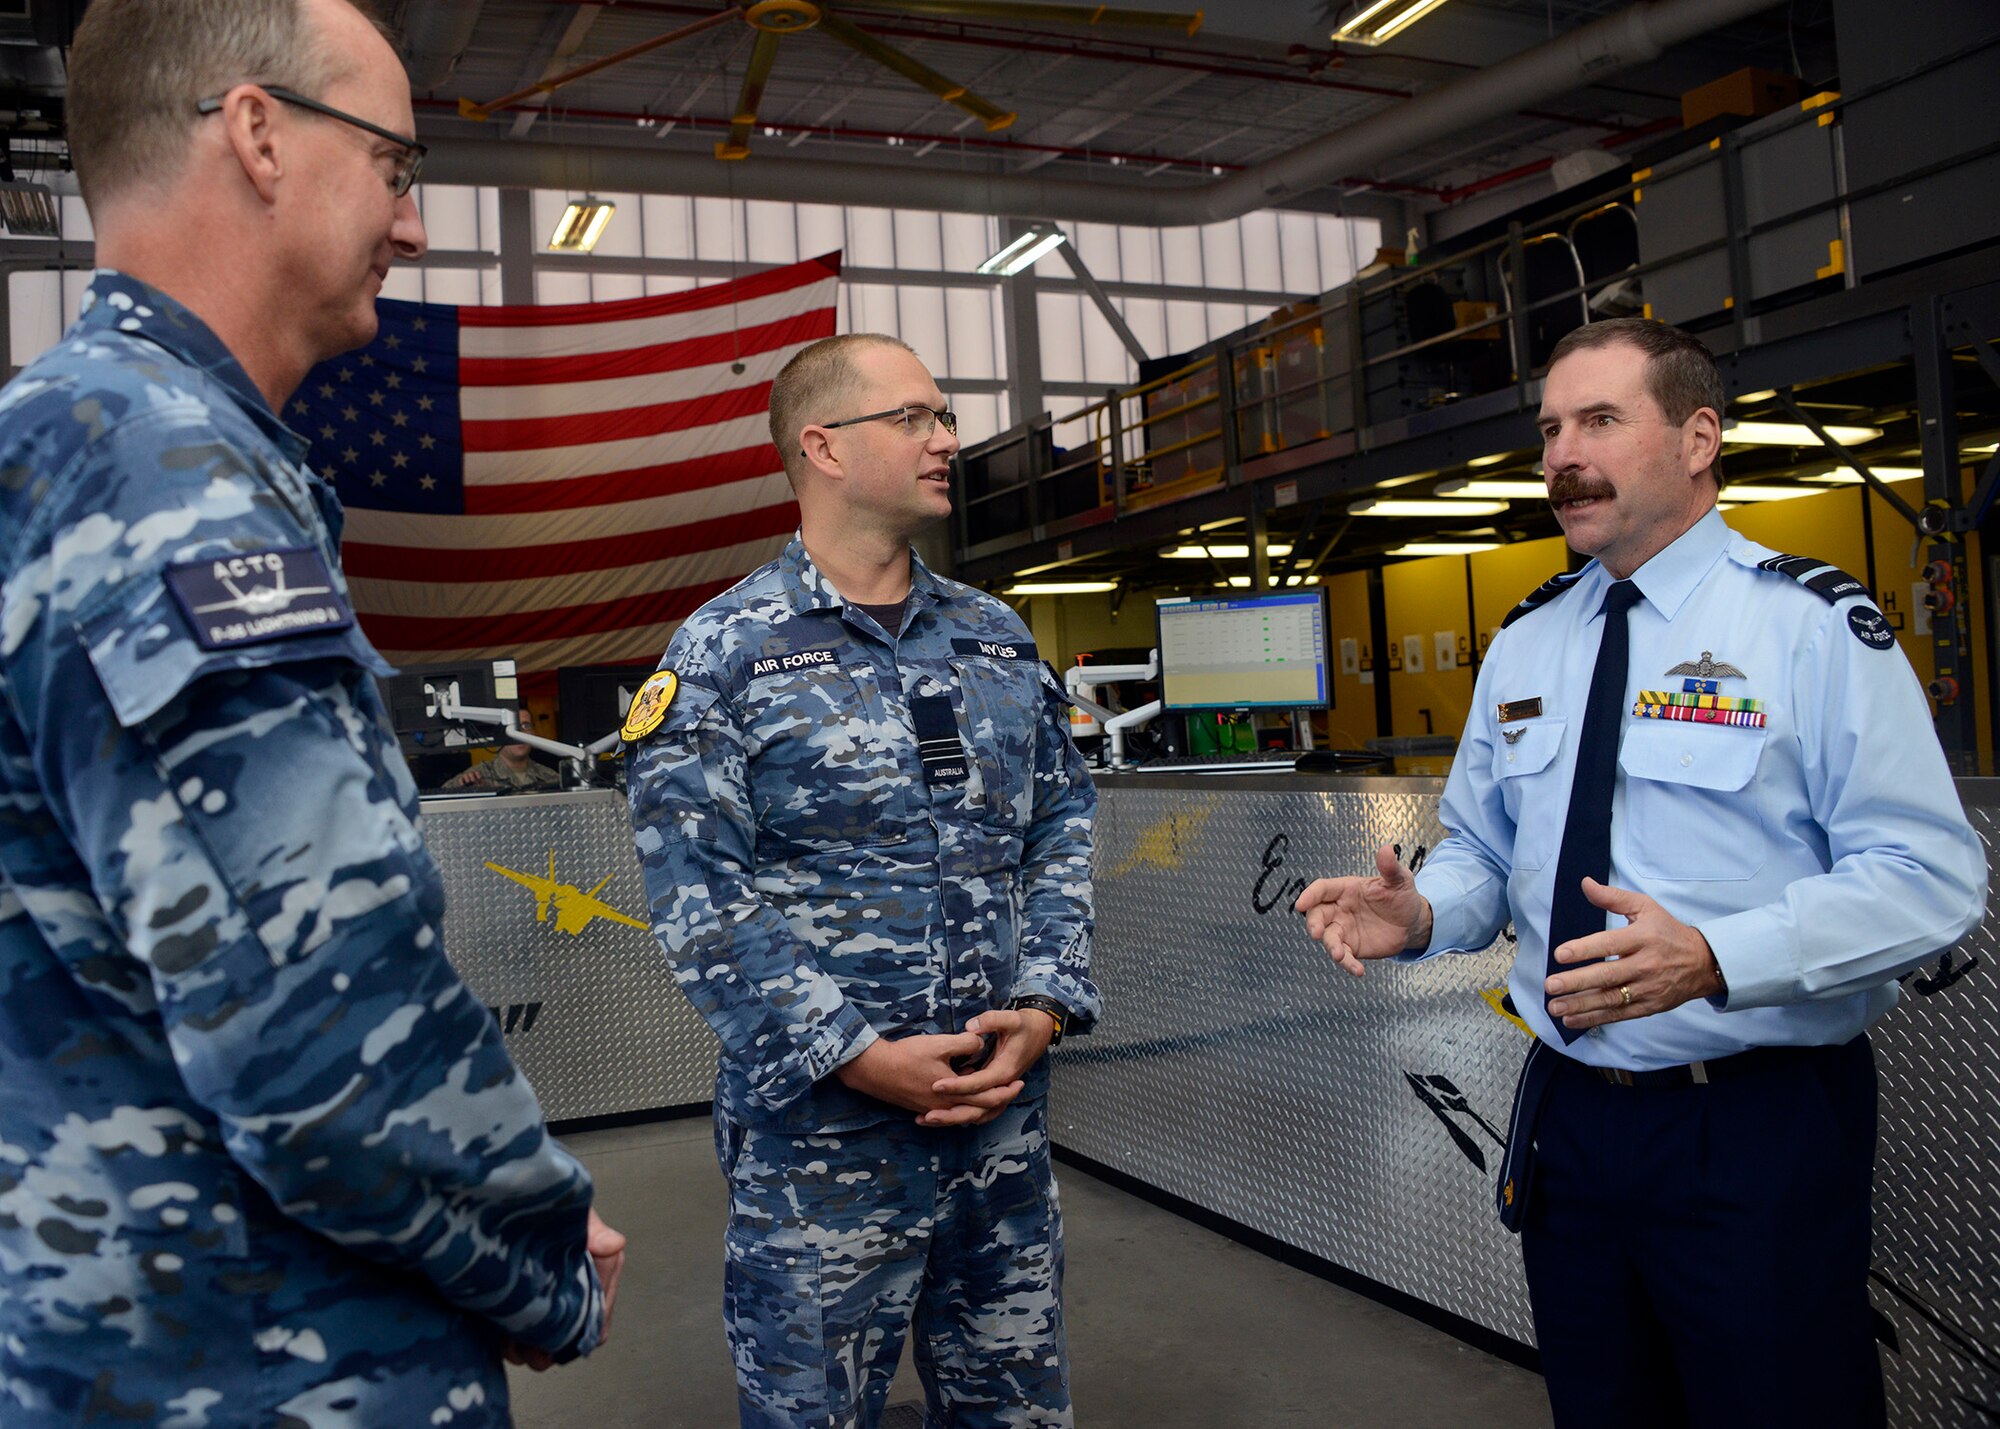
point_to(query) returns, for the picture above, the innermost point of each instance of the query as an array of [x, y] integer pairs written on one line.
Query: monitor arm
[[1079, 678], [583, 757]]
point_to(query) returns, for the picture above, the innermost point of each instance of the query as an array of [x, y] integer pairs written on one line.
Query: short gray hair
[[138, 67], [1681, 375], [819, 378]]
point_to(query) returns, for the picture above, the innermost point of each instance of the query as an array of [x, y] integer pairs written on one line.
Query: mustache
[[1568, 486]]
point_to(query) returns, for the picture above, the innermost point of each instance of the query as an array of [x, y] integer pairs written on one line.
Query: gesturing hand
[[905, 1072], [1661, 963], [1362, 919], [1021, 1036]]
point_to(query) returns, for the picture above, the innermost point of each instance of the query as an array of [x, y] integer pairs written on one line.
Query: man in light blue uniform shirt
[[1694, 1133]]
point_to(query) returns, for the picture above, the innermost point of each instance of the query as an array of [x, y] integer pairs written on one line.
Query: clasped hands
[[1658, 960], [916, 1073]]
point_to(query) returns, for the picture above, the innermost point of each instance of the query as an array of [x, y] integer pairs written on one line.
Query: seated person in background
[[514, 767]]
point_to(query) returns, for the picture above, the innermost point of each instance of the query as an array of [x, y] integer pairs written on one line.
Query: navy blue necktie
[[1586, 845]]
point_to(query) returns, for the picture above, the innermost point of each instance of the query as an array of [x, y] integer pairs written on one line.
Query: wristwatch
[[1049, 1005]]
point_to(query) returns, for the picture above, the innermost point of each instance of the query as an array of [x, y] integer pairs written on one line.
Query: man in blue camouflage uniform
[[263, 1157], [866, 840]]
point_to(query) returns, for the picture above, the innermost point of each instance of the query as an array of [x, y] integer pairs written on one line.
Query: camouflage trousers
[[839, 1245]]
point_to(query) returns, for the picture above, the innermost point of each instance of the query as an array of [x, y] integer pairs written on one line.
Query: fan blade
[[1189, 22], [737, 145], [471, 110], [917, 73]]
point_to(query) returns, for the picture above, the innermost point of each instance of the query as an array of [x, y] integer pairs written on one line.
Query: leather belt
[[1696, 1074]]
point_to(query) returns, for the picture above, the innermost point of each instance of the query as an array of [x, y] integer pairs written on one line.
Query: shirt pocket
[[1000, 704], [1690, 815], [825, 771], [1535, 796]]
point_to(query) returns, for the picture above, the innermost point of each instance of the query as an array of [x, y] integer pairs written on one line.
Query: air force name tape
[[268, 595], [649, 706], [996, 649]]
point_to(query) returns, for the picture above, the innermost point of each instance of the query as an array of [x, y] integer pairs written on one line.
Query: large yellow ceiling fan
[[774, 19]]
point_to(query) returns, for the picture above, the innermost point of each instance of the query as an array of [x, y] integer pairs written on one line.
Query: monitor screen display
[[415, 694], [591, 700], [1244, 653]]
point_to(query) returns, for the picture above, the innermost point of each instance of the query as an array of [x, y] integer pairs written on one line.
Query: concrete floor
[[1170, 1326]]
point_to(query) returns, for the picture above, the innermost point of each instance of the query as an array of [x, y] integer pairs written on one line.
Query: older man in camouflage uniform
[[866, 838], [263, 1158]]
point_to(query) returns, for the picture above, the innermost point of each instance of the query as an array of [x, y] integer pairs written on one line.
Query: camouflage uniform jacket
[[812, 886], [263, 1157]]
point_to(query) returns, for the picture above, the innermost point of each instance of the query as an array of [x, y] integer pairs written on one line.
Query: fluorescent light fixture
[[1378, 506], [1792, 434], [1493, 489], [1766, 395], [1061, 588], [1380, 20], [1024, 252], [1243, 582], [1988, 450], [1848, 476], [582, 224], [1736, 494], [1233, 552], [30, 210], [1444, 548], [1219, 525], [1493, 460]]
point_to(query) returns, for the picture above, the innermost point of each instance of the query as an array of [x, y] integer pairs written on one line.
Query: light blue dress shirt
[[1822, 855]]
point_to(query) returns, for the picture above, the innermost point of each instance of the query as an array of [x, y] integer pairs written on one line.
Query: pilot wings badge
[[1708, 668]]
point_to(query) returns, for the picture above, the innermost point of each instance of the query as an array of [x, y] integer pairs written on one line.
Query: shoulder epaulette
[[1829, 583], [1541, 595]]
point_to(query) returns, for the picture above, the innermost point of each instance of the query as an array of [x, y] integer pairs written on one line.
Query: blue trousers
[[840, 1245], [1698, 1256]]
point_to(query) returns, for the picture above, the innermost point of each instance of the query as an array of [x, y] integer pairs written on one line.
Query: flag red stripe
[[527, 563], [756, 285], [639, 361], [541, 433], [501, 633], [516, 498]]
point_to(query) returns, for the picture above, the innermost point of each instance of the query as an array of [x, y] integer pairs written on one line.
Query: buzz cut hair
[[138, 67], [816, 386], [1681, 375]]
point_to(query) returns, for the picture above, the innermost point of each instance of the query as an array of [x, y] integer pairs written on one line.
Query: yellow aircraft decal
[[574, 908], [1495, 999]]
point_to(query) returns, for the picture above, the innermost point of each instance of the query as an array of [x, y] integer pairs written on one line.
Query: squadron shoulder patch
[[649, 706], [265, 595], [1834, 585]]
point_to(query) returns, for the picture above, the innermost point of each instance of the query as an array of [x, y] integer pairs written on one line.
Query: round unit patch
[[649, 706], [1864, 620]]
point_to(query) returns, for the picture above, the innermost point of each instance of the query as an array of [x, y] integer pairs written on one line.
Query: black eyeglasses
[[408, 163], [918, 420]]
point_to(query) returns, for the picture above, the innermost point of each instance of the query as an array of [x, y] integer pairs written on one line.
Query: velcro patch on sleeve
[[264, 595]]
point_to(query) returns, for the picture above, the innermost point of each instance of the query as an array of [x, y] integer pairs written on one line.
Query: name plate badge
[[1520, 709]]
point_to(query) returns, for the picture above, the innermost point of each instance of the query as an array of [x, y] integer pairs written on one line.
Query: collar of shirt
[[809, 588], [118, 302], [1670, 577]]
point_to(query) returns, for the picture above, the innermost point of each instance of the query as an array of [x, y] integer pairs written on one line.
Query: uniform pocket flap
[[146, 652], [1701, 756], [1527, 748]]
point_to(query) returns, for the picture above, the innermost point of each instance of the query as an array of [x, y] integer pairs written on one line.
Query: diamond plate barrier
[[1361, 1120], [587, 1002]]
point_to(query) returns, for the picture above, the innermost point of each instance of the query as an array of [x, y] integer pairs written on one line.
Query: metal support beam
[[1951, 644], [1260, 544], [1845, 457], [517, 246], [1104, 306], [1021, 324]]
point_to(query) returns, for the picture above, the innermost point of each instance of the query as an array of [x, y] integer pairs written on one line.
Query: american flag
[[561, 485]]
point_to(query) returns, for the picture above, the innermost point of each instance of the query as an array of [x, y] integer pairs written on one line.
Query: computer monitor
[[591, 700], [416, 693], [1245, 652]]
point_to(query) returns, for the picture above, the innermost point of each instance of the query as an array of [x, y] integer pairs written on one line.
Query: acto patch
[[649, 706]]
